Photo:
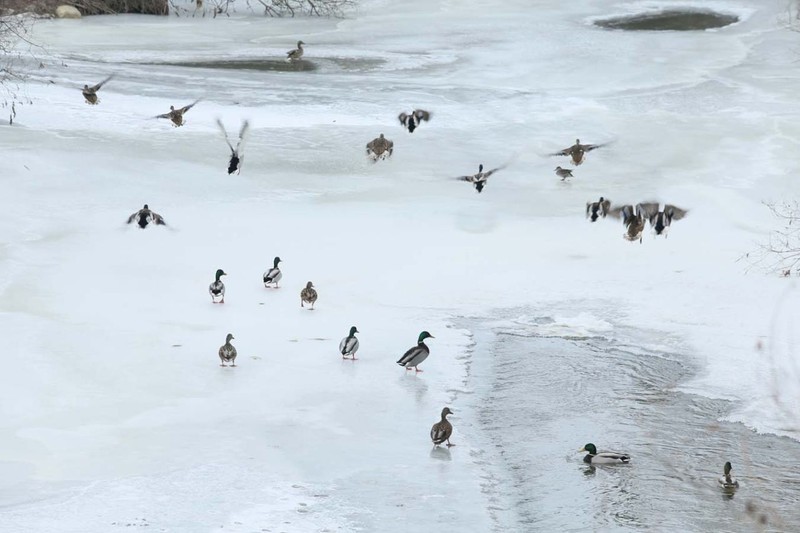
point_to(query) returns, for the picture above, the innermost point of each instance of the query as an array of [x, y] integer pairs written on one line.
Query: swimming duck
[[296, 54], [349, 345], [273, 275], [727, 480], [595, 210], [577, 151], [564, 173], [217, 289], [416, 355], [380, 148], [479, 179], [227, 352], [176, 115], [441, 431], [145, 216], [661, 218], [308, 295], [633, 219], [235, 163], [90, 93], [412, 120], [603, 458]]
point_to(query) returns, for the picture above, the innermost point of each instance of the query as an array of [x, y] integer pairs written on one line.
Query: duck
[[564, 173], [273, 275], [90, 93], [479, 180], [661, 218], [296, 54], [217, 288], [727, 481], [380, 148], [235, 162], [349, 345], [633, 220], [412, 120], [145, 216], [578, 150], [176, 115], [227, 352], [595, 210], [441, 431], [417, 354], [603, 458], [308, 295]]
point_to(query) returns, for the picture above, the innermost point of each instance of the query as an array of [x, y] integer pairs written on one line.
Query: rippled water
[[539, 399]]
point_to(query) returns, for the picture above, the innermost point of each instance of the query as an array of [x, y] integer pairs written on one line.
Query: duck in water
[[412, 120], [217, 288], [479, 179], [145, 216], [441, 431], [578, 150], [176, 115], [380, 148], [727, 481], [416, 355], [603, 458], [90, 93], [235, 162]]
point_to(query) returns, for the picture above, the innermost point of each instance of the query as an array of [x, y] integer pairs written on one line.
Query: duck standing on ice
[[308, 295], [273, 275], [227, 352], [217, 288], [441, 431], [349, 345], [416, 355]]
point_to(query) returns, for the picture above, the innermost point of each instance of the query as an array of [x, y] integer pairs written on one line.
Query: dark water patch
[[669, 20], [281, 65]]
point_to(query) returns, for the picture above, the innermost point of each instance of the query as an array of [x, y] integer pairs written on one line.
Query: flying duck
[[412, 120], [235, 163], [308, 295], [176, 115], [416, 355], [380, 148], [90, 93], [145, 216], [273, 275], [296, 54], [595, 210], [441, 431], [227, 352], [603, 458], [661, 218], [727, 480], [349, 345], [564, 173], [479, 179], [217, 288], [633, 219], [577, 151]]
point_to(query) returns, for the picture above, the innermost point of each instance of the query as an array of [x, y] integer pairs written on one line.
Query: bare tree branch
[[781, 254]]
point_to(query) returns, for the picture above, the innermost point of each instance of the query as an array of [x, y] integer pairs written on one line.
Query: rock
[[67, 12]]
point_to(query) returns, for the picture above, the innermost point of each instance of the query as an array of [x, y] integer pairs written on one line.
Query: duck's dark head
[[229, 338], [728, 468], [85, 87], [602, 199], [480, 167], [146, 206], [353, 331], [172, 108], [589, 448], [424, 335], [220, 273], [577, 141], [381, 136], [309, 285], [276, 261], [446, 411], [300, 44]]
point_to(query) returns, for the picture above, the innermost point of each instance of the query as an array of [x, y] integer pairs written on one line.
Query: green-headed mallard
[[296, 54], [564, 173], [441, 431], [273, 275], [217, 288], [349, 345], [412, 120], [479, 179], [145, 216], [416, 355], [90, 93], [600, 208], [236, 160], [380, 148], [176, 115], [227, 352], [603, 458], [577, 151], [308, 295], [633, 220], [661, 217], [727, 480]]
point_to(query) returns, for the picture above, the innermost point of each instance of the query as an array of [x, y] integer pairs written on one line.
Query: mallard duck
[[441, 431], [349, 345], [227, 352], [564, 173], [727, 480], [416, 355], [577, 151], [603, 458], [479, 179], [308, 295], [296, 54], [235, 163], [380, 148], [412, 120], [595, 210], [661, 217], [145, 216], [176, 115], [217, 289], [632, 219], [273, 275], [90, 93]]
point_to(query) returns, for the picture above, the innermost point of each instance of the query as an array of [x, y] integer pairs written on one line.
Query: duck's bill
[[581, 450]]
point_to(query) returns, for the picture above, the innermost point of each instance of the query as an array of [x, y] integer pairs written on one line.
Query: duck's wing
[[188, 107], [243, 131], [648, 210], [133, 217], [606, 205], [439, 433], [409, 355], [225, 135], [158, 219], [565, 151], [165, 115], [97, 87], [625, 213], [403, 118], [588, 208], [421, 114], [490, 172], [590, 147], [612, 457], [674, 213]]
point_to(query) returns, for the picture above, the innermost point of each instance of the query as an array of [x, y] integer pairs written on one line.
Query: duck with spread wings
[[176, 115]]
